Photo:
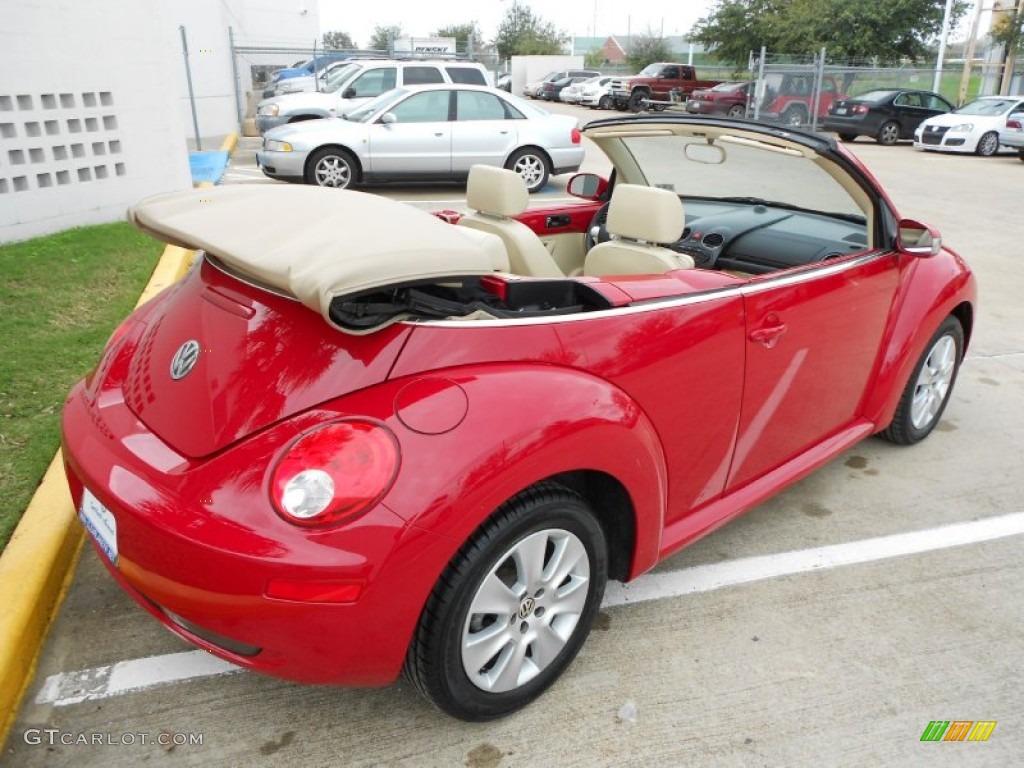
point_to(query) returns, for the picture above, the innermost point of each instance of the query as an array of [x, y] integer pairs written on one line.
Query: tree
[[523, 33], [889, 30], [384, 35], [647, 48], [594, 58], [338, 41], [461, 33], [1006, 28]]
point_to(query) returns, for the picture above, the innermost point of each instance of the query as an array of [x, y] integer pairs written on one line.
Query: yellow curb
[[230, 142], [38, 563]]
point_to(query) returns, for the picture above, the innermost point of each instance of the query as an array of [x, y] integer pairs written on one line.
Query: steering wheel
[[596, 231]]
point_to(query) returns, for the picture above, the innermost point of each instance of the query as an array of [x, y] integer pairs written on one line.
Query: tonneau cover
[[314, 243]]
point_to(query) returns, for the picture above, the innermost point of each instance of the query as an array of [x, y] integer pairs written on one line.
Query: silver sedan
[[429, 133]]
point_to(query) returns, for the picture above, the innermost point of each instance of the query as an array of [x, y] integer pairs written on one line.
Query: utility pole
[[1011, 49], [965, 78]]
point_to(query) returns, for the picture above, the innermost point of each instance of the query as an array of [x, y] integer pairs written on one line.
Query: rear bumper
[[840, 124], [198, 544]]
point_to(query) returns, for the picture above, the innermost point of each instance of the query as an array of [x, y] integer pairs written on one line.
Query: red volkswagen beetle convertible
[[376, 440]]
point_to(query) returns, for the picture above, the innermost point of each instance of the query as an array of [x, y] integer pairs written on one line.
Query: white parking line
[[140, 674], [127, 676]]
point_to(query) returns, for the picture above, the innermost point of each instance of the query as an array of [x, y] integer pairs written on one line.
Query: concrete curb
[[38, 563]]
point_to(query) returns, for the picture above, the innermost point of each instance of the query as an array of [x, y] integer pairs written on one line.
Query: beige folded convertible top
[[316, 243]]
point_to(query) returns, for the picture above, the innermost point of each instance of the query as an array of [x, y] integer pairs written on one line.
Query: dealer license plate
[[100, 523]]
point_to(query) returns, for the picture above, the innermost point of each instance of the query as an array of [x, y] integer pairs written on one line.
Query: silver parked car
[[428, 133], [1012, 134]]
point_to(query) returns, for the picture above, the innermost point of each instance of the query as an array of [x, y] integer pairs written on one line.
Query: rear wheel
[[533, 165], [331, 167], [737, 110], [889, 133], [988, 144], [605, 102], [795, 115], [1020, 155], [930, 385], [513, 608]]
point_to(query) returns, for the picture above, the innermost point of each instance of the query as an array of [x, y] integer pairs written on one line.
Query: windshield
[[987, 107], [376, 104], [650, 70], [334, 82], [332, 78], [739, 167]]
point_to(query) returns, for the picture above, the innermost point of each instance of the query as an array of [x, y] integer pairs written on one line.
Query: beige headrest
[[497, 191], [645, 213]]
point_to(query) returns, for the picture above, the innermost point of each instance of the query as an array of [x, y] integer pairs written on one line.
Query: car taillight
[[1013, 124], [334, 473], [860, 109], [575, 136]]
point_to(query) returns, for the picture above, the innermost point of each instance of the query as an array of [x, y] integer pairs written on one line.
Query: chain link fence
[[254, 66]]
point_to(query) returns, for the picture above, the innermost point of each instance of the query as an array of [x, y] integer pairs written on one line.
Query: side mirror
[[348, 93], [918, 239], [388, 118], [589, 186]]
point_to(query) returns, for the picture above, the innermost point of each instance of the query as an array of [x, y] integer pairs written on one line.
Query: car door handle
[[439, 133], [768, 336], [557, 221]]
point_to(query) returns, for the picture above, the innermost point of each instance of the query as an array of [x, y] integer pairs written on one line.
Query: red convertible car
[[376, 441]]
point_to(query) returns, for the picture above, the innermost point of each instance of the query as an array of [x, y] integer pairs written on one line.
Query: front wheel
[[847, 136], [988, 144], [636, 101], [930, 385], [737, 111], [513, 608], [532, 164], [331, 167], [1020, 155], [605, 102]]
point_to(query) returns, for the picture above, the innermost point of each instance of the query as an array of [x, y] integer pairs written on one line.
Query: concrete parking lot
[[828, 627]]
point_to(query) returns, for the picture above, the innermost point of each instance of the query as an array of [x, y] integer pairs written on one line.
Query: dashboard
[[760, 238]]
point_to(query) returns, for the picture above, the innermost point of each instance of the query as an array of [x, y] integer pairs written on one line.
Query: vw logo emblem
[[526, 608], [184, 359]]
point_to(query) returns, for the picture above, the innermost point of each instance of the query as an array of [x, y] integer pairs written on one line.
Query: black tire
[[605, 102], [889, 133], [533, 165], [1020, 155], [737, 111], [621, 105], [931, 383], [542, 616], [636, 100], [795, 115], [332, 167], [988, 144], [847, 136]]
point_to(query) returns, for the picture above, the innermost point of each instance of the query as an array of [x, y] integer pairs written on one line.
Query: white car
[[973, 127], [595, 93], [1011, 135], [427, 133], [573, 93]]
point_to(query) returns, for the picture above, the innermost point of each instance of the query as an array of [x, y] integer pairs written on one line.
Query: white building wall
[[89, 117], [254, 22], [94, 111]]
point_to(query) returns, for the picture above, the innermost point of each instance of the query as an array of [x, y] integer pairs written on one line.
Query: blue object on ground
[[207, 166]]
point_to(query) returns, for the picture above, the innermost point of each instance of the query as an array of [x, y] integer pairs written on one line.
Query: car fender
[[931, 289], [472, 437]]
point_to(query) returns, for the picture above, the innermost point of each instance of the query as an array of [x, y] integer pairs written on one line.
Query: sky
[[574, 17]]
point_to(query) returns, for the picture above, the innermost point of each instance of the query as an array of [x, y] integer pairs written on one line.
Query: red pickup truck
[[664, 82]]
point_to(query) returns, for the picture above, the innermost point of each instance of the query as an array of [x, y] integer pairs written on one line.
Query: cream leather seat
[[638, 219], [496, 195]]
